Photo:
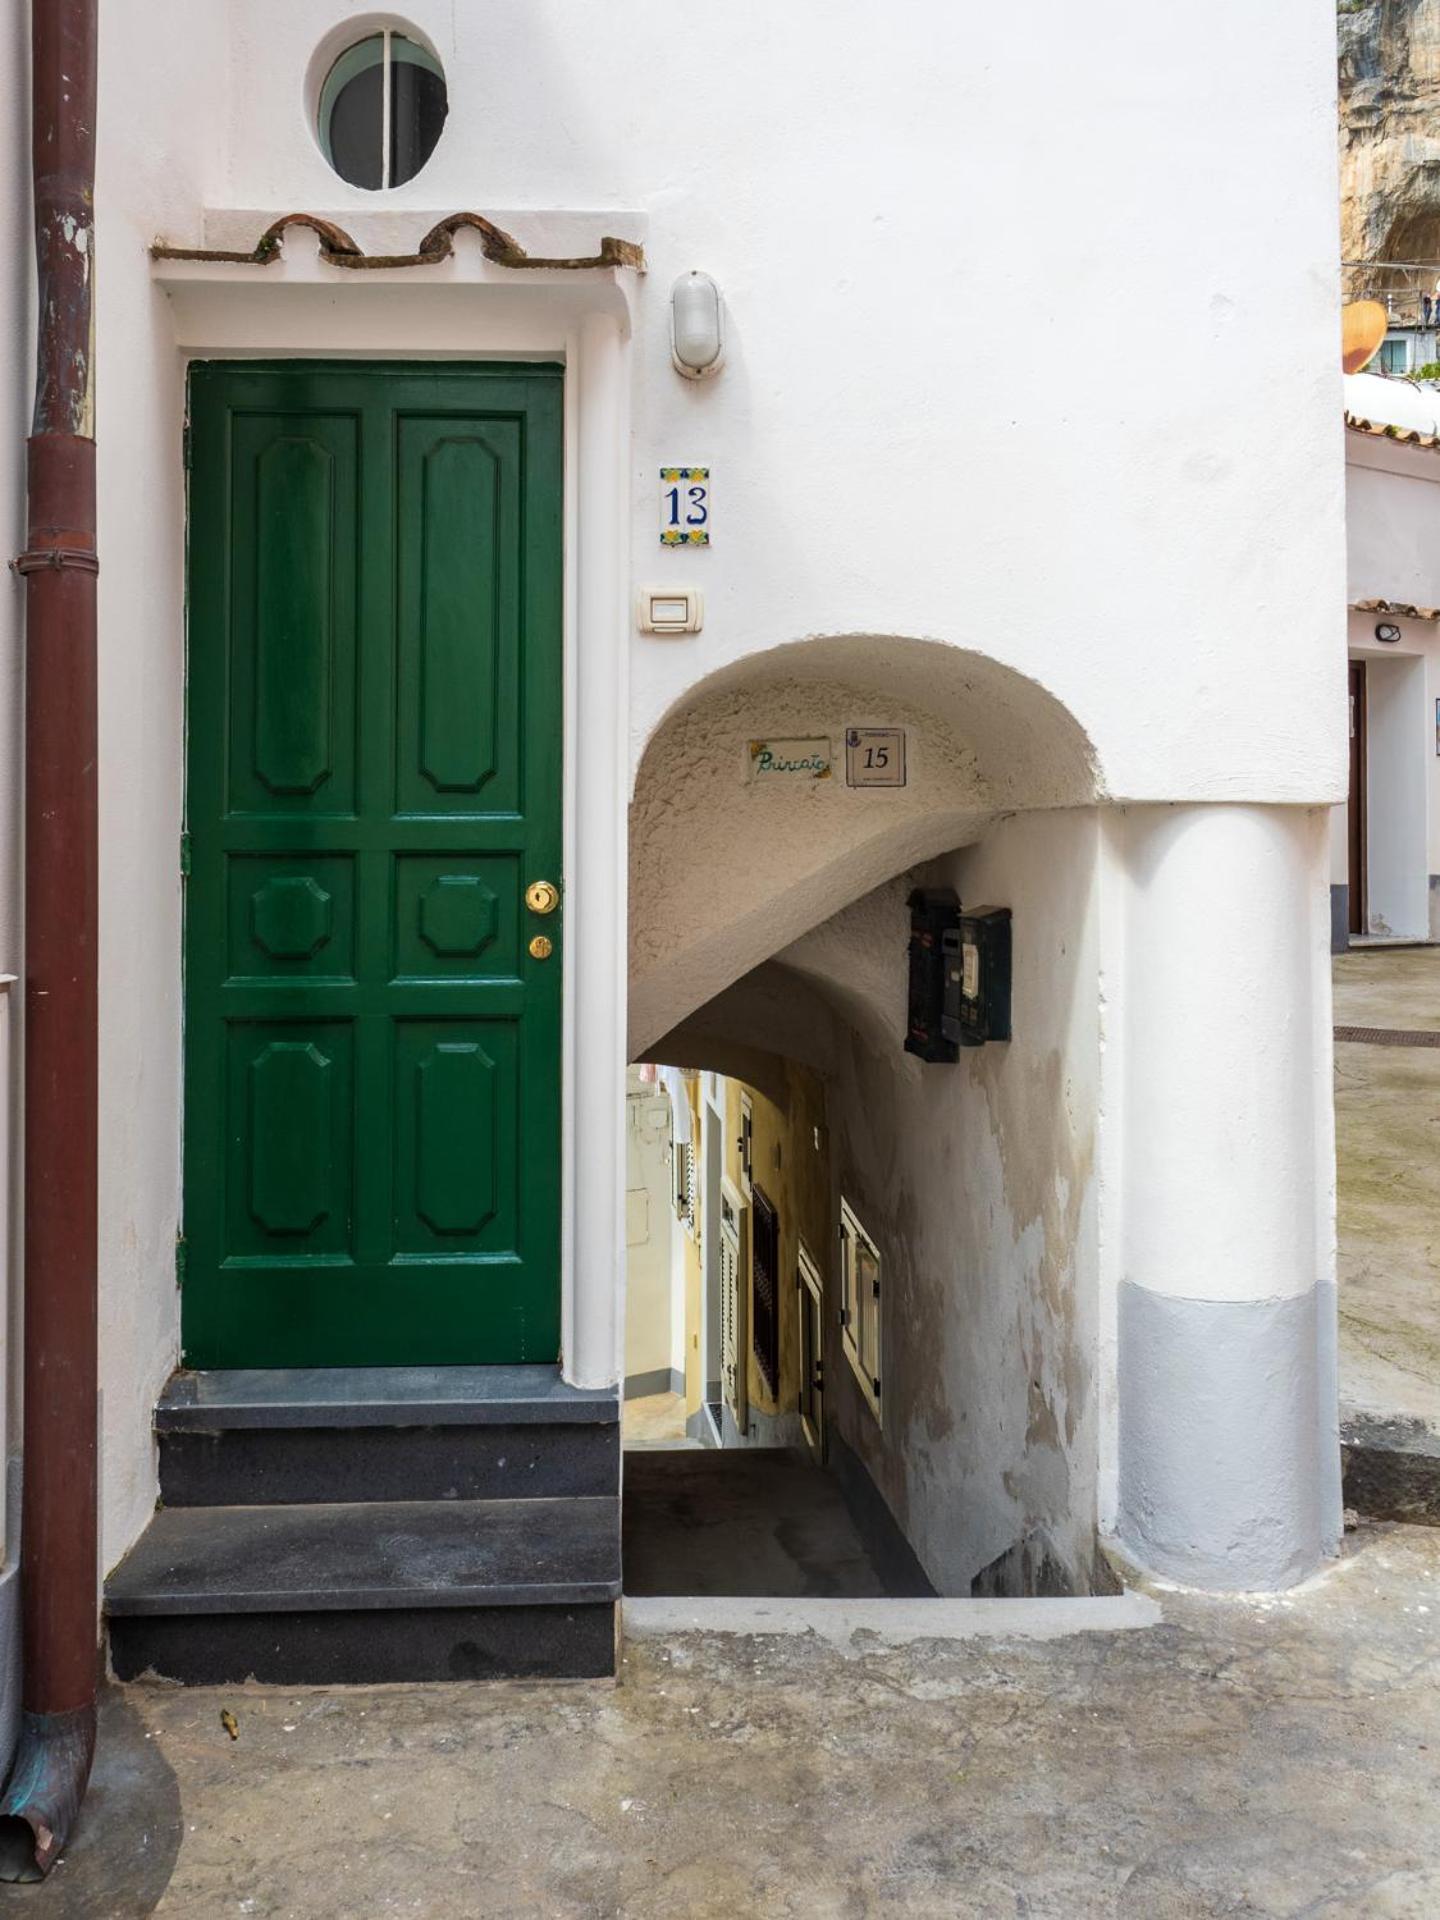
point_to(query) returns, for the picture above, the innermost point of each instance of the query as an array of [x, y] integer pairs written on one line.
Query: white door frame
[[470, 309]]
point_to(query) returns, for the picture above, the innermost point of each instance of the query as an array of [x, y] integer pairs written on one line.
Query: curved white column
[[595, 902], [1228, 1462]]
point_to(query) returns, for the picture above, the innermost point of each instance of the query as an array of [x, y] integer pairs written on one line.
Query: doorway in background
[[1358, 810]]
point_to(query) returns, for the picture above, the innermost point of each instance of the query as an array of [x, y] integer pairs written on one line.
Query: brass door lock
[[541, 947], [542, 896]]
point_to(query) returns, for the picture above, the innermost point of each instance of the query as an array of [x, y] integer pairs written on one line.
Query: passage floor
[[752, 1520], [1264, 1757]]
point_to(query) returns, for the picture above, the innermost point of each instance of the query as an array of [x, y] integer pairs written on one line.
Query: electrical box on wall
[[670, 610], [934, 913], [977, 978]]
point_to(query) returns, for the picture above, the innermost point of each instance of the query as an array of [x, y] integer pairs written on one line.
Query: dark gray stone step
[[368, 1592], [1391, 1466], [367, 1649], [414, 1553], [383, 1434], [380, 1397]]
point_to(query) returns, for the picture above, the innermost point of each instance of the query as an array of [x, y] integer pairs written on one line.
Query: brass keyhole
[[541, 947], [542, 896]]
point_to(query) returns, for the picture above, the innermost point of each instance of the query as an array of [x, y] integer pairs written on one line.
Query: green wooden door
[[372, 1049]]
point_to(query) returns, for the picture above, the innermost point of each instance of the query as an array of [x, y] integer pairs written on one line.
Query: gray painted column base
[[1340, 918], [1223, 1482]]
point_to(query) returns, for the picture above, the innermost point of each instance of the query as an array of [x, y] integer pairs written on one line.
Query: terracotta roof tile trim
[[1401, 609], [337, 248], [1379, 430]]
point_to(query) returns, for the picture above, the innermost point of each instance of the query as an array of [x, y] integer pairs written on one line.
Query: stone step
[[336, 1435], [366, 1592], [1391, 1466]]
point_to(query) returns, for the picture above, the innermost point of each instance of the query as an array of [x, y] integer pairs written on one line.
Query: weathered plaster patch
[[978, 1182]]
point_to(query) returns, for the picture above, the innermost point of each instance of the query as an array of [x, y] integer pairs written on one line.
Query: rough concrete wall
[[1389, 131], [977, 1182]]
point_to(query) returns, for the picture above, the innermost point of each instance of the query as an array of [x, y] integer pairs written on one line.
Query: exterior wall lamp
[[697, 331], [1387, 632]]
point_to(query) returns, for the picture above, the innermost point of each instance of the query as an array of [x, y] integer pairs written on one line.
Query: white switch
[[671, 610]]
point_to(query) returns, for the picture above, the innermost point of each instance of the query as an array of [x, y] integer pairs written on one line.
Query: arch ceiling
[[726, 872]]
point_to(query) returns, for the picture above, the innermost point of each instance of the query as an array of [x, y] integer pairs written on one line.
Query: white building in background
[[1385, 840], [1094, 621]]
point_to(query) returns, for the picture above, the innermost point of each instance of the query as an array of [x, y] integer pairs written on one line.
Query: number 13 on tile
[[685, 506]]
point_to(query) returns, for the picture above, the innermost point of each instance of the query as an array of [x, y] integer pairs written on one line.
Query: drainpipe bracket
[[41, 559]]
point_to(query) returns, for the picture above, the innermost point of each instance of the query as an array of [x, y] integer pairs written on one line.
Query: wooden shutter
[[765, 1271], [734, 1292]]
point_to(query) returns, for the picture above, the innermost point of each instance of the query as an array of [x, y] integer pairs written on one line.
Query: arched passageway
[[769, 940], [1080, 1335]]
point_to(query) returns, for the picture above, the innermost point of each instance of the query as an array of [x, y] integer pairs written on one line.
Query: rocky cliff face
[[1390, 129]]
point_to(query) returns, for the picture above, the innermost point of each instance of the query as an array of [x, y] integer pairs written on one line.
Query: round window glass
[[382, 107]]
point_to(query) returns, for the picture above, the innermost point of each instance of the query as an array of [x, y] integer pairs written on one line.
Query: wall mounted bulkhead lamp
[[697, 326], [1387, 632]]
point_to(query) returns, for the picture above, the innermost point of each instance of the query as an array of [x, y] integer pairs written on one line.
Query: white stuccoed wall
[[649, 1230], [1392, 524], [163, 73], [1145, 520]]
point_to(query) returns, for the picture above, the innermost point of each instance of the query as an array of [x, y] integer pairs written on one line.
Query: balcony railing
[[1409, 290]]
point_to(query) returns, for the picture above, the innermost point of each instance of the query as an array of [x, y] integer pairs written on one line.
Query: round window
[[382, 107]]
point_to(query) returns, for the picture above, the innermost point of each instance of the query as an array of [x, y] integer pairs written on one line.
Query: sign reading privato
[[790, 759]]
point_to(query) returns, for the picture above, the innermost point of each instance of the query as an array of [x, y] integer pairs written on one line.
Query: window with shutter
[[860, 1305]]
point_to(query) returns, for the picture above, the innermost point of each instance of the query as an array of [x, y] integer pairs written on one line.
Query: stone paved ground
[[1272, 1757], [1387, 1125]]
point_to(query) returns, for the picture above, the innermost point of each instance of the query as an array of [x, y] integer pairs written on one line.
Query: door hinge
[[185, 444], [875, 1385], [844, 1316], [180, 1250], [184, 856]]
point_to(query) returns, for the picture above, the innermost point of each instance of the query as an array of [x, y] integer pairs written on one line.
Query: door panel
[[375, 747], [292, 635], [459, 597], [289, 1090]]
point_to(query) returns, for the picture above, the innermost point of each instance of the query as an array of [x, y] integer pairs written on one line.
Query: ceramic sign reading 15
[[685, 506]]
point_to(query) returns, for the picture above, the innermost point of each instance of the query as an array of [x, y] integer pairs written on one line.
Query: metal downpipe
[[59, 1570]]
